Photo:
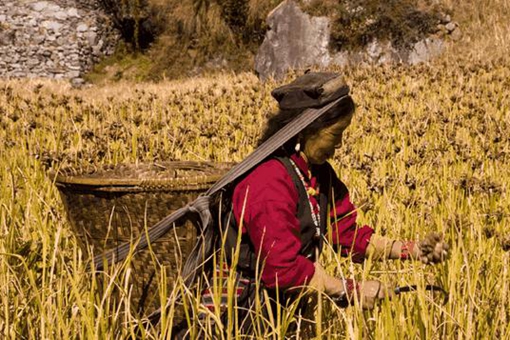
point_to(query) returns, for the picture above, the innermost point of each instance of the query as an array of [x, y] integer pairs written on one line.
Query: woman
[[281, 207]]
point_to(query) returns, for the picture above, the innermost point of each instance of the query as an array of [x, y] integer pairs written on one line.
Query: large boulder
[[294, 40]]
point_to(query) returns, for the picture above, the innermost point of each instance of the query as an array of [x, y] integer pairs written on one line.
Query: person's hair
[[283, 117]]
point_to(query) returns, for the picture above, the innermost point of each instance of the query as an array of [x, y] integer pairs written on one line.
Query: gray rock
[[91, 38], [71, 55], [96, 51], [3, 18], [73, 12], [374, 49], [425, 50], [82, 27], [450, 26], [456, 35], [60, 15], [51, 8], [388, 54], [19, 74], [295, 40], [51, 25], [39, 6], [74, 67], [62, 40], [72, 74], [33, 61], [56, 70]]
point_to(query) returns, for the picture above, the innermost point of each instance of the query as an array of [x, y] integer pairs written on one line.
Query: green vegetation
[[225, 34], [185, 38], [400, 22], [123, 64], [428, 151], [357, 23]]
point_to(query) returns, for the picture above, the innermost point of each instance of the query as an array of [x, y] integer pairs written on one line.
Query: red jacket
[[266, 202]]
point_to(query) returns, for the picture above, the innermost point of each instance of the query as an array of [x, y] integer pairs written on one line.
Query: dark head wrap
[[311, 90]]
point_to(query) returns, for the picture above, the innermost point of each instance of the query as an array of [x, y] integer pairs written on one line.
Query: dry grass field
[[428, 150]]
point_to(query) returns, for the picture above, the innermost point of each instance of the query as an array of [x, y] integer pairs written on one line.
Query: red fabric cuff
[[406, 251]]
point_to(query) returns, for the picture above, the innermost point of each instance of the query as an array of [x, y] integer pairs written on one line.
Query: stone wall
[[53, 39]]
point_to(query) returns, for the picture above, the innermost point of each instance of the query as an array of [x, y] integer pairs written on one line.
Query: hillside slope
[[175, 39]]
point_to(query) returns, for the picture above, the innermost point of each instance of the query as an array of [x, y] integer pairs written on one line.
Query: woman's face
[[321, 146]]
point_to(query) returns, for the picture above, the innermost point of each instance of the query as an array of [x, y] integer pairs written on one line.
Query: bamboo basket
[[113, 205]]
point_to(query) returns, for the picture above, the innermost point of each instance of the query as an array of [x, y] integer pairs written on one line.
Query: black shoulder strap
[[247, 262]]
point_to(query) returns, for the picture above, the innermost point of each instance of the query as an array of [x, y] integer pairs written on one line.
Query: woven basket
[[110, 206]]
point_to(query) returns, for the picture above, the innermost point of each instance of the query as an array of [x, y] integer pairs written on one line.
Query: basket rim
[[83, 180], [142, 182]]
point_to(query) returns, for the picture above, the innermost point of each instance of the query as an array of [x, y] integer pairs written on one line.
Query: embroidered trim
[[315, 214], [211, 301]]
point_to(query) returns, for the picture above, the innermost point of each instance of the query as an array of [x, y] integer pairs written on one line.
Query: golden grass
[[428, 151]]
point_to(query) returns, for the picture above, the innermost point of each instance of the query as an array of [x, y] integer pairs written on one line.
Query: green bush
[[355, 23]]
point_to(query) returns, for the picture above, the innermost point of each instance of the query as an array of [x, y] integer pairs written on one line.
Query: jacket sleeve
[[346, 234], [266, 203]]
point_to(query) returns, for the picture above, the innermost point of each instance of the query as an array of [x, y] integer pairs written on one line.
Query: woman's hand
[[367, 293], [372, 291], [432, 249], [323, 282], [344, 292]]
